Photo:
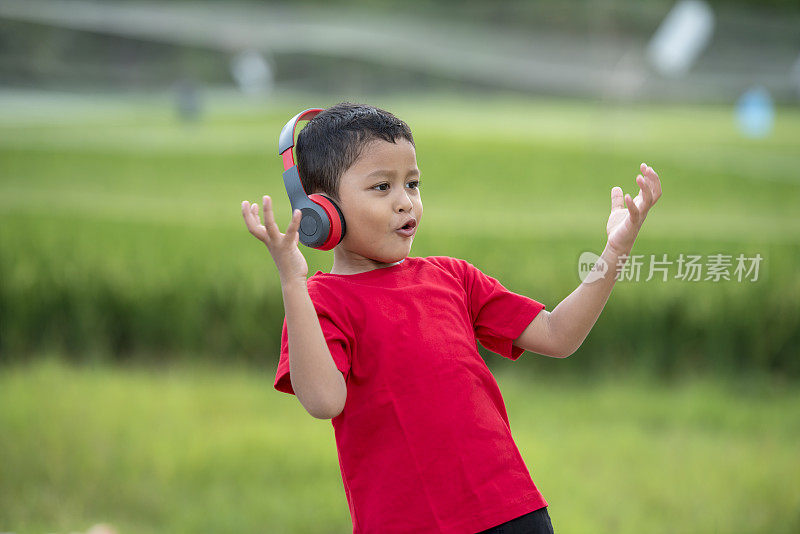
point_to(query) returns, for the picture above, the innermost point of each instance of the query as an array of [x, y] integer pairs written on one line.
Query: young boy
[[385, 344]]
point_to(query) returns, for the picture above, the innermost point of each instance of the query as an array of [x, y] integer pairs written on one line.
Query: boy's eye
[[415, 185]]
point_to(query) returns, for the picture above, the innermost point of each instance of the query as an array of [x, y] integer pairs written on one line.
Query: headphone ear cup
[[335, 217]]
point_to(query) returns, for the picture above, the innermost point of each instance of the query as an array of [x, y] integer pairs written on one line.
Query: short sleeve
[[338, 344], [499, 316]]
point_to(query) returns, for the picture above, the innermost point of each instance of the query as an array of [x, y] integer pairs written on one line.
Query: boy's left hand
[[624, 224]]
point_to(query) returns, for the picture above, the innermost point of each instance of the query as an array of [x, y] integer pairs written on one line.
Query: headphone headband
[[286, 140]]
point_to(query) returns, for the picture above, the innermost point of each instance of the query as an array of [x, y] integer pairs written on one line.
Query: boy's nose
[[405, 203]]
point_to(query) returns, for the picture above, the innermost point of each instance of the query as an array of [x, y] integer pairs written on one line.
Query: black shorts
[[536, 522]]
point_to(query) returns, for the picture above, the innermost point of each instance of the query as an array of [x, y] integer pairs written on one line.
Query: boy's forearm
[[573, 318], [316, 381]]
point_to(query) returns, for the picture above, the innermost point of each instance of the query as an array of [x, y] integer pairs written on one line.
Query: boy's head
[[364, 158], [332, 141]]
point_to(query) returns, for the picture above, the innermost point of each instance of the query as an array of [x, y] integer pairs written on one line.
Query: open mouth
[[409, 225], [408, 229]]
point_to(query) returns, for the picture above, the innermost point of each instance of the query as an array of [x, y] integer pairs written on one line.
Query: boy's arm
[[317, 382], [560, 332]]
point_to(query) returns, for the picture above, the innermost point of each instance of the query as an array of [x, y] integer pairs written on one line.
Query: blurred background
[[140, 322]]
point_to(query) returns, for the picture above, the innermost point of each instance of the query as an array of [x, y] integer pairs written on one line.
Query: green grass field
[[122, 232], [122, 249], [210, 449]]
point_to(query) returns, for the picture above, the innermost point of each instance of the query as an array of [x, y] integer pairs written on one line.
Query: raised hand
[[624, 224], [282, 247]]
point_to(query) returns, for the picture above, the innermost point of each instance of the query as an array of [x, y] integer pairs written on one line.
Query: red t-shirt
[[424, 440]]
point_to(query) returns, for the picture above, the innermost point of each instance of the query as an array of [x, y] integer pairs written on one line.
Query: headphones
[[322, 225]]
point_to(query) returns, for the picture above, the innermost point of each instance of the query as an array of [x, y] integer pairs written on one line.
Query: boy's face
[[378, 194]]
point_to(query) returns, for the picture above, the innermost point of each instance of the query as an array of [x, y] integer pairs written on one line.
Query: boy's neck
[[347, 265]]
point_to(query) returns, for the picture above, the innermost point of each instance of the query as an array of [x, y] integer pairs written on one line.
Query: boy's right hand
[[283, 247]]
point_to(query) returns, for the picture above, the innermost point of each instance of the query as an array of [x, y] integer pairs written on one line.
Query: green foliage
[[122, 236]]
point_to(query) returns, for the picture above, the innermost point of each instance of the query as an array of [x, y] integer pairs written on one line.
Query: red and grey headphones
[[322, 226]]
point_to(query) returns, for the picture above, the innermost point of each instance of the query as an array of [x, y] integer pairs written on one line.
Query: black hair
[[332, 141]]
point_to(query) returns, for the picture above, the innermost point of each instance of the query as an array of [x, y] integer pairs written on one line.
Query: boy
[[385, 344]]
